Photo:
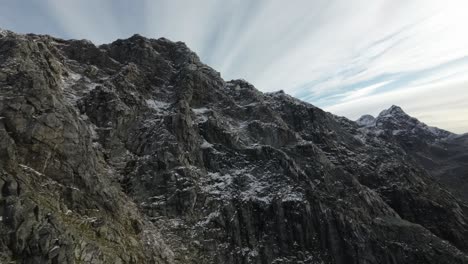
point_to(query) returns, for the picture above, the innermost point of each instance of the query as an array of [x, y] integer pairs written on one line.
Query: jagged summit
[[370, 121], [4, 32], [393, 110], [137, 152], [443, 154], [397, 122]]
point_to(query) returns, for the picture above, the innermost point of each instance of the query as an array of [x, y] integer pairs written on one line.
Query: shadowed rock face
[[136, 152], [443, 154]]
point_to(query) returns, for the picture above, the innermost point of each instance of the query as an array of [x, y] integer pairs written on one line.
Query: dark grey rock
[[137, 152], [443, 154]]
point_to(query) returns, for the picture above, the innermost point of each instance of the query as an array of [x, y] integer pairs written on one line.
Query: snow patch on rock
[[206, 144], [156, 105], [29, 169], [3, 32], [75, 86], [200, 113]]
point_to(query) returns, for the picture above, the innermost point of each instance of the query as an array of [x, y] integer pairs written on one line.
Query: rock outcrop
[[137, 152]]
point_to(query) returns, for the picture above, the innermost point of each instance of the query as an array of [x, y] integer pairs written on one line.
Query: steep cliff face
[[443, 154], [136, 152], [59, 203]]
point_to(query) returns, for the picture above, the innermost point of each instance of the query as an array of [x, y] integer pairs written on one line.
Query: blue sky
[[348, 57]]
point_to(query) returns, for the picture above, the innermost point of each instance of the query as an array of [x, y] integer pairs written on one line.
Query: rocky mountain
[[400, 124], [137, 152], [442, 153]]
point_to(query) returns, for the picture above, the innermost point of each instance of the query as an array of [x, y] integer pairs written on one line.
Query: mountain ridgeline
[[137, 152], [443, 154]]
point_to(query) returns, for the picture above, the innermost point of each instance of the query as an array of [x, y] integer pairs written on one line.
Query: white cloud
[[443, 104], [317, 49], [363, 91], [85, 19]]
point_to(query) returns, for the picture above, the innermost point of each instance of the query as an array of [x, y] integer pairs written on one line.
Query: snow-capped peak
[[396, 122]]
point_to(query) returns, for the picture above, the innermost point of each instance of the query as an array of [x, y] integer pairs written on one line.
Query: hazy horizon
[[349, 58]]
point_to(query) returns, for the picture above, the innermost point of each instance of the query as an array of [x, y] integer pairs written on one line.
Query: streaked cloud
[[442, 104], [355, 94], [336, 54]]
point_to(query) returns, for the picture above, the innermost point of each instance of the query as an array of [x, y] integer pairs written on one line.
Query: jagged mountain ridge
[[138, 140], [442, 153], [394, 119]]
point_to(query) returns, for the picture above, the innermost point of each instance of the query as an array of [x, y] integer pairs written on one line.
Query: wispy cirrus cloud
[[446, 105], [332, 53]]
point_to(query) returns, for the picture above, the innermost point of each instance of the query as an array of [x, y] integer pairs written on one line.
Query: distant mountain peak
[[393, 110], [4, 32], [397, 122], [366, 121]]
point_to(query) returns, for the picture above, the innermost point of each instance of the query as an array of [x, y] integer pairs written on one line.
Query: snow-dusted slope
[[137, 152], [443, 154], [396, 121]]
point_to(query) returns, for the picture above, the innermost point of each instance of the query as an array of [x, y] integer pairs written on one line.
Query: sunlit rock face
[[137, 152]]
